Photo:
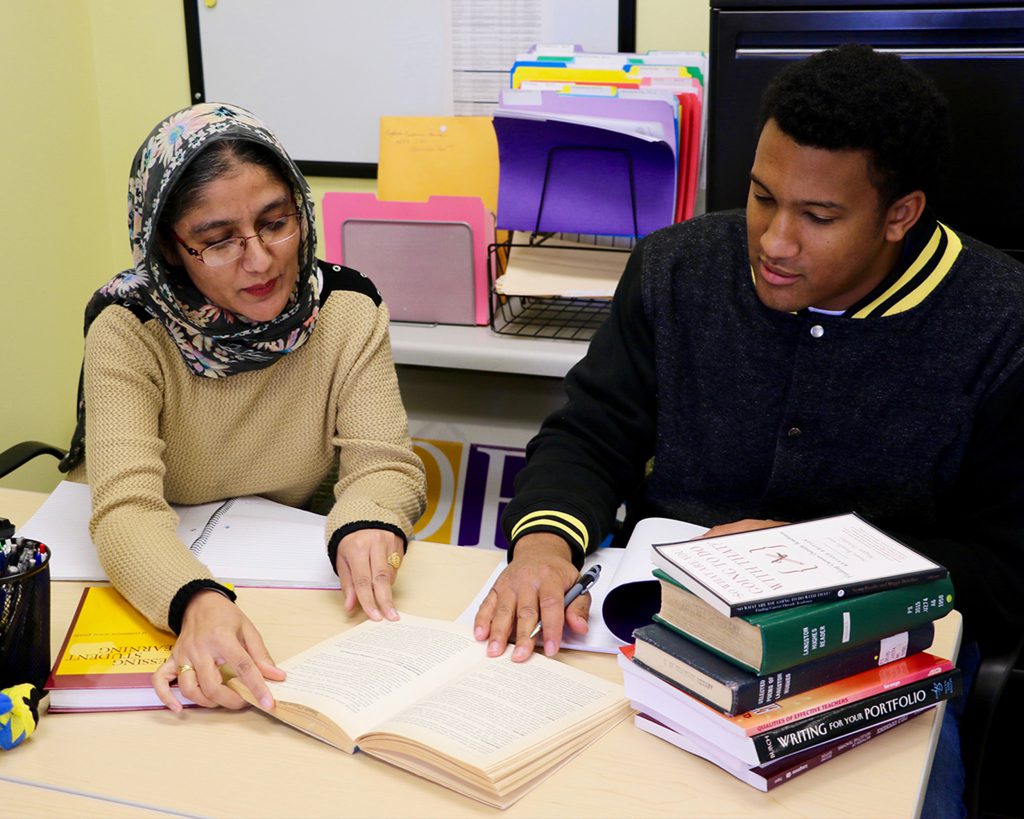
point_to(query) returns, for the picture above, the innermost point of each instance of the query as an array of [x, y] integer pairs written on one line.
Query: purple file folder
[[565, 177], [646, 109]]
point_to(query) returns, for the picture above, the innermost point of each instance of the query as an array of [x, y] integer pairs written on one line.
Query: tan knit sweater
[[157, 434]]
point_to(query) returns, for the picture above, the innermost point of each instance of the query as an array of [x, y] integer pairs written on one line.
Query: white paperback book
[[248, 541], [788, 565], [769, 775]]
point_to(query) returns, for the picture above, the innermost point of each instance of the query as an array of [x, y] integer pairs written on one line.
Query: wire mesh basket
[[560, 317], [25, 626]]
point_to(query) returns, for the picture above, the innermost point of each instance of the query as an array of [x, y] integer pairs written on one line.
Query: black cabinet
[[973, 52]]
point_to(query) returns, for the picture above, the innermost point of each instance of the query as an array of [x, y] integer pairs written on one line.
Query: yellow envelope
[[422, 157]]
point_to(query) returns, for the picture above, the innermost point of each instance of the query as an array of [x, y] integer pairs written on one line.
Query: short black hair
[[855, 98]]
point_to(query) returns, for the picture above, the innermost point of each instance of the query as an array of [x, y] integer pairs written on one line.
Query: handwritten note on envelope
[[422, 157]]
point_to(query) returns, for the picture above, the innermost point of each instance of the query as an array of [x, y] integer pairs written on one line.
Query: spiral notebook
[[248, 541]]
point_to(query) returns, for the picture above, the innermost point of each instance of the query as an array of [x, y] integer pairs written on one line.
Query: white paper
[[564, 268]]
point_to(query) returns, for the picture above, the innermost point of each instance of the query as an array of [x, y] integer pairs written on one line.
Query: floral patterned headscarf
[[213, 342]]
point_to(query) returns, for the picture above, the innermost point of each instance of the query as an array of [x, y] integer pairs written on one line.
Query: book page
[[361, 676], [499, 709], [633, 595]]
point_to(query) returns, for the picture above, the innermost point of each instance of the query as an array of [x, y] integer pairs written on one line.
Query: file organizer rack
[[570, 318]]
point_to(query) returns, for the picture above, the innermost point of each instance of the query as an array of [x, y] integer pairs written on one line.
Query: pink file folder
[[341, 209]]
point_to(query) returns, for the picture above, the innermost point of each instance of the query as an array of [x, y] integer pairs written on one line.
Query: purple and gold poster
[[468, 487]]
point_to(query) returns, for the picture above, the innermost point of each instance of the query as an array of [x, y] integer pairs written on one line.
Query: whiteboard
[[321, 73]]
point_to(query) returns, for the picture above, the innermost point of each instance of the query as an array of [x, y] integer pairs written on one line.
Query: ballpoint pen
[[587, 579]]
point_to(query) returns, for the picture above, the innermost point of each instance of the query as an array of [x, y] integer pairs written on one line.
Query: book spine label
[[826, 595], [826, 630], [769, 688], [830, 751], [856, 716]]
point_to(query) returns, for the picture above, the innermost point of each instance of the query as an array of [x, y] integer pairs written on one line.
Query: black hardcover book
[[857, 715], [735, 690]]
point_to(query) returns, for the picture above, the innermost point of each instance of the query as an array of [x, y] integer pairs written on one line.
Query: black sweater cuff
[[176, 611], [355, 526]]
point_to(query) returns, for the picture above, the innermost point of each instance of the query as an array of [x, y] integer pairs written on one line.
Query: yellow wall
[[665, 25], [52, 227], [93, 77]]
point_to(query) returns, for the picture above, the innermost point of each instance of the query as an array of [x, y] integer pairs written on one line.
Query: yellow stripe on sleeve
[[547, 517]]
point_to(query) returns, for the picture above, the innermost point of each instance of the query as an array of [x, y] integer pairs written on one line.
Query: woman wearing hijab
[[228, 361]]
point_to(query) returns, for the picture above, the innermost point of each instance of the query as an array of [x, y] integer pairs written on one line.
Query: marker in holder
[[24, 609]]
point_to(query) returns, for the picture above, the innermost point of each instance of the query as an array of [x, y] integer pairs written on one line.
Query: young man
[[832, 349]]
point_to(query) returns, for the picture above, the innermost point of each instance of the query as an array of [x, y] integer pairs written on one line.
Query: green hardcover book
[[771, 641]]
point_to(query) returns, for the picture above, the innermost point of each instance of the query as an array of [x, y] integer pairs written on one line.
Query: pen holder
[[25, 627]]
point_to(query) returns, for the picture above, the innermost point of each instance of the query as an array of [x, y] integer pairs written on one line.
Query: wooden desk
[[220, 763]]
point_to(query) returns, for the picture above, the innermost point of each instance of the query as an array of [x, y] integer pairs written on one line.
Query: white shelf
[[478, 348]]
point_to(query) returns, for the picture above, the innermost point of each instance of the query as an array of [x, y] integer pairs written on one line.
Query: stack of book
[[778, 649]]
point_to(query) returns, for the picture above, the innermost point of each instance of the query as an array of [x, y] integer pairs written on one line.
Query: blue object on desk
[[19, 714]]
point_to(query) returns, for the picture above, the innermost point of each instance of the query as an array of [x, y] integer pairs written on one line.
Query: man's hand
[[533, 586], [746, 525], [215, 632]]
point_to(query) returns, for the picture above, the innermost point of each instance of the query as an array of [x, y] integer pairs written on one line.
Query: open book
[[625, 596], [422, 695], [241, 540]]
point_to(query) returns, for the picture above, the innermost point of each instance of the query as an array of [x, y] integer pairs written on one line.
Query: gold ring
[[183, 668], [394, 560]]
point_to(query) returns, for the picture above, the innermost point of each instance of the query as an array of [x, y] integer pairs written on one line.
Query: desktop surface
[[243, 763]]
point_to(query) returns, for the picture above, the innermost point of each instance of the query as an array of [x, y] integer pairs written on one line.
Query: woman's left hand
[[367, 567]]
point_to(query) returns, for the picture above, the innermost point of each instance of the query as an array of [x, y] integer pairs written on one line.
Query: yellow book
[[422, 695], [107, 658]]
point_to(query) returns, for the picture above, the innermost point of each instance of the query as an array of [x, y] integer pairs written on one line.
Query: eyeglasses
[[273, 233]]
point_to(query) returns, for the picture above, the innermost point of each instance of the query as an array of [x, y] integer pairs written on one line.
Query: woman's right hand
[[215, 632]]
